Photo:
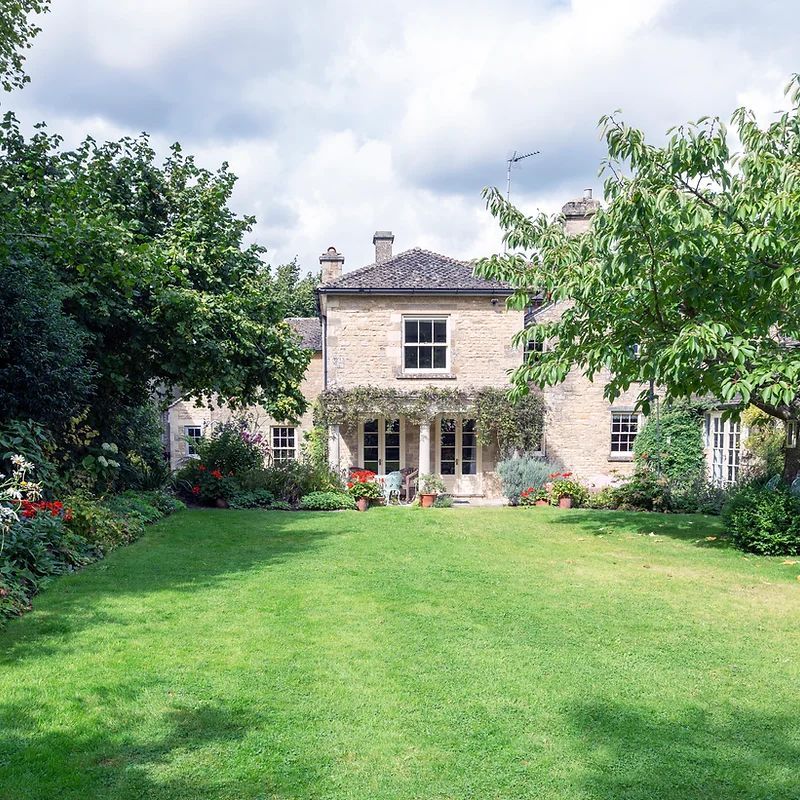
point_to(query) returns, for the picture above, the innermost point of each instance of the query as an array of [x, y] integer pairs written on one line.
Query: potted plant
[[566, 492], [429, 487], [363, 492]]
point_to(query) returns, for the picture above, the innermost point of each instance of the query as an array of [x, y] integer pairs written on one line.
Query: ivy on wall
[[514, 426]]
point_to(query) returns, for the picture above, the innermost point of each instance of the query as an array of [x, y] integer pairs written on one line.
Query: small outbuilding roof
[[310, 331]]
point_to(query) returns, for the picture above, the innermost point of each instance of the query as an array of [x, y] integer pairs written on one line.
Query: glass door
[[459, 455], [382, 445]]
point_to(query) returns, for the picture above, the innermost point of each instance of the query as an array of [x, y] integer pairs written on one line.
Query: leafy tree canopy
[[688, 276], [294, 293], [150, 264], [17, 32]]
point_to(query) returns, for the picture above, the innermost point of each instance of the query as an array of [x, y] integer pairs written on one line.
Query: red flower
[[202, 468], [216, 474], [68, 515], [195, 490]]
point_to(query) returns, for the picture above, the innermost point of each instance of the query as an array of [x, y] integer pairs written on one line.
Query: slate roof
[[416, 271], [310, 330]]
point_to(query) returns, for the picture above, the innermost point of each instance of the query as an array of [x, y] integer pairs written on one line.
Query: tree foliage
[[17, 32], [150, 265], [688, 277], [296, 294]]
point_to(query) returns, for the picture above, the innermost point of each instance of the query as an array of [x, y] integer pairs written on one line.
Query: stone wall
[[183, 413], [364, 340]]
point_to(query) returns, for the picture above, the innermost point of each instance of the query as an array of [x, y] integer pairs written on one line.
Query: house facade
[[415, 321]]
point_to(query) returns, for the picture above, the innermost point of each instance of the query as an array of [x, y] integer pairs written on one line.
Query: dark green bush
[[164, 501], [257, 498], [34, 550], [764, 520], [642, 492], [281, 505], [443, 501], [291, 480], [132, 504], [327, 501]]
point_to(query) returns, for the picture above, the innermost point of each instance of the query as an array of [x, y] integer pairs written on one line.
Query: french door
[[381, 445], [724, 441], [458, 455]]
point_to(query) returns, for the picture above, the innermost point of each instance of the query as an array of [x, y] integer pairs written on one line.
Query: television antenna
[[515, 159]]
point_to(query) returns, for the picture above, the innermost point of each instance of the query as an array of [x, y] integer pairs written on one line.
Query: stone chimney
[[578, 213], [383, 245], [331, 262]]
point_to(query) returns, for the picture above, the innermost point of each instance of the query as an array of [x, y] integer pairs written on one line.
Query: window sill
[[425, 376], [620, 457]]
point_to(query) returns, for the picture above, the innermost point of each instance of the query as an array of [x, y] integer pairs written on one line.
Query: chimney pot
[[578, 213], [383, 245], [587, 194], [331, 262]]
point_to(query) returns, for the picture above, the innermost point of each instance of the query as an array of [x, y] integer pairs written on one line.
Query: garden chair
[[409, 487], [392, 484]]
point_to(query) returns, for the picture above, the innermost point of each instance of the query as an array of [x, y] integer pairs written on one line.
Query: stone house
[[416, 320]]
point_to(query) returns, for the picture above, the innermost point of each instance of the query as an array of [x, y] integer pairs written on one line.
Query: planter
[[222, 502], [542, 502], [565, 502], [362, 504], [427, 500]]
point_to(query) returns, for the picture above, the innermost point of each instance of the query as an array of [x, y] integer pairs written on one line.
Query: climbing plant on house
[[512, 424], [688, 277]]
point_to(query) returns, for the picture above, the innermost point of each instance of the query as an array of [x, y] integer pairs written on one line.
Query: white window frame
[[382, 442], [282, 453], [621, 412], [791, 435], [191, 452], [724, 442], [426, 370]]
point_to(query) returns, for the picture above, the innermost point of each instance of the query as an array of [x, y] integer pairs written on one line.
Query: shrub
[[642, 492], [369, 489], [231, 448], [206, 484], [518, 474], [135, 505], [671, 445], [291, 480], [34, 443], [327, 501], [281, 505], [100, 526], [606, 498], [764, 520], [35, 549], [165, 502], [257, 498], [443, 501], [564, 485]]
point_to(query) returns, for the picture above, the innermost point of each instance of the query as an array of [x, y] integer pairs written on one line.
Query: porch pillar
[[333, 447], [424, 448]]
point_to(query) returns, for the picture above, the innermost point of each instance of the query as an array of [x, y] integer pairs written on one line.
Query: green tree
[[17, 32], [150, 264], [688, 277], [296, 294]]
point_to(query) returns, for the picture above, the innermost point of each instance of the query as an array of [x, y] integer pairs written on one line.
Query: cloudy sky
[[344, 117]]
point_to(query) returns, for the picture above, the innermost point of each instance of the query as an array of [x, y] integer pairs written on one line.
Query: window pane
[[440, 358], [412, 334], [425, 330], [411, 357], [425, 357], [440, 331]]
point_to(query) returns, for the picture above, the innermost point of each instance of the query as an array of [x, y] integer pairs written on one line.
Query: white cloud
[[342, 117]]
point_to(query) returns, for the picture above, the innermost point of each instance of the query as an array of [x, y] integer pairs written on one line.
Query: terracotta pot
[[362, 504], [427, 500], [565, 502], [222, 502], [542, 502]]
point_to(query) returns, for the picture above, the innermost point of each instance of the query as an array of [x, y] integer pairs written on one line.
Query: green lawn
[[486, 653]]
